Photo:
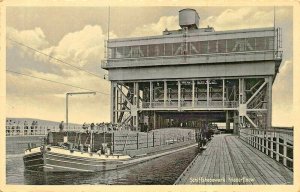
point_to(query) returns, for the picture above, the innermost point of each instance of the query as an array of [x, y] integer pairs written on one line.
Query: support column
[[269, 111], [118, 107], [193, 93], [207, 93], [165, 93], [241, 99], [136, 104], [151, 94], [179, 95], [154, 120], [136, 94], [223, 93], [235, 123], [112, 102], [267, 143], [227, 121]]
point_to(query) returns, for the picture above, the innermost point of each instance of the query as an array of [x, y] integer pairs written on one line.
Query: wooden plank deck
[[230, 161]]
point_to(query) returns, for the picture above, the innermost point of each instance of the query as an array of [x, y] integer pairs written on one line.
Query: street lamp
[[67, 103]]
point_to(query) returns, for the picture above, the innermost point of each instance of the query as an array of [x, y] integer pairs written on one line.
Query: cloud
[[30, 97], [283, 95], [246, 17], [35, 37], [156, 28], [81, 47]]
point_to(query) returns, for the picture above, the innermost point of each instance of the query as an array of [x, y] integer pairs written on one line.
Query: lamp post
[[67, 103]]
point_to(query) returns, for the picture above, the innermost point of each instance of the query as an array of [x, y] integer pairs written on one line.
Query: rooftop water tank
[[189, 18]]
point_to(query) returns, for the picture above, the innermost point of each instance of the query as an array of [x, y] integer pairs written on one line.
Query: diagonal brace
[[260, 88], [124, 95]]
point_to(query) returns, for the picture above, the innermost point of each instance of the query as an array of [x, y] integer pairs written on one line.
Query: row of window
[[191, 48]]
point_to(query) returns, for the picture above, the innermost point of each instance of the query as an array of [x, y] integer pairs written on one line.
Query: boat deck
[[228, 160]]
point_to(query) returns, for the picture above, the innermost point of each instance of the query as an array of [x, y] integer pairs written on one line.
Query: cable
[[55, 82], [59, 60]]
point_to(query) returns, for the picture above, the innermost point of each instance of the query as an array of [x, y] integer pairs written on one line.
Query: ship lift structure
[[190, 75]]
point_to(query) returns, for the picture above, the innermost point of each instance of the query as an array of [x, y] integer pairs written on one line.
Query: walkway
[[228, 160]]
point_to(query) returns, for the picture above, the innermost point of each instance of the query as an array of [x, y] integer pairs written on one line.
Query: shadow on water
[[161, 171]]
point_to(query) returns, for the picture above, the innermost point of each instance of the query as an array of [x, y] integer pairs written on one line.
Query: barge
[[86, 152]]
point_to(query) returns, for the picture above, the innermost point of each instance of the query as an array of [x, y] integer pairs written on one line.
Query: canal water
[[161, 171]]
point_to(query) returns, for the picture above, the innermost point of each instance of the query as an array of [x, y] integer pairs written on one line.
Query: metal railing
[[197, 104], [141, 140], [276, 143], [163, 60]]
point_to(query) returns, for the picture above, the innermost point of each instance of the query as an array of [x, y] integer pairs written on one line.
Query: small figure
[[61, 126], [92, 126], [84, 126]]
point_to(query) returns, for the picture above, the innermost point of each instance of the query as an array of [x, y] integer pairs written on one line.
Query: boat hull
[[62, 160]]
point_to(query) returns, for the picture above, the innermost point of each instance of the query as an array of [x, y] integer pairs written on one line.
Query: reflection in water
[[163, 170]]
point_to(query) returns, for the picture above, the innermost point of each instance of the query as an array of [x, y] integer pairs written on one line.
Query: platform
[[230, 161]]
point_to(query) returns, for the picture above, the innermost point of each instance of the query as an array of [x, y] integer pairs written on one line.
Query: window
[[222, 46], [194, 48], [119, 52], [250, 44], [213, 46], [270, 43], [135, 51], [156, 50], [168, 49], [203, 47], [178, 49], [127, 52], [260, 43], [144, 50]]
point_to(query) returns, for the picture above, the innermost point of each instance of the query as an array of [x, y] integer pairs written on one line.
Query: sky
[[77, 34]]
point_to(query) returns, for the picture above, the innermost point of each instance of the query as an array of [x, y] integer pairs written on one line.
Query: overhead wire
[[54, 58], [70, 85]]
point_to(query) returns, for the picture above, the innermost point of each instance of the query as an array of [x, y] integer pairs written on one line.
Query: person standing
[[92, 126], [61, 126]]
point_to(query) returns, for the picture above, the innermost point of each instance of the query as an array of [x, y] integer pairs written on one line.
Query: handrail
[[278, 144]]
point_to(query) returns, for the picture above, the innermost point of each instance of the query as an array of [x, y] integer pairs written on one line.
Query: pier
[[239, 160]]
